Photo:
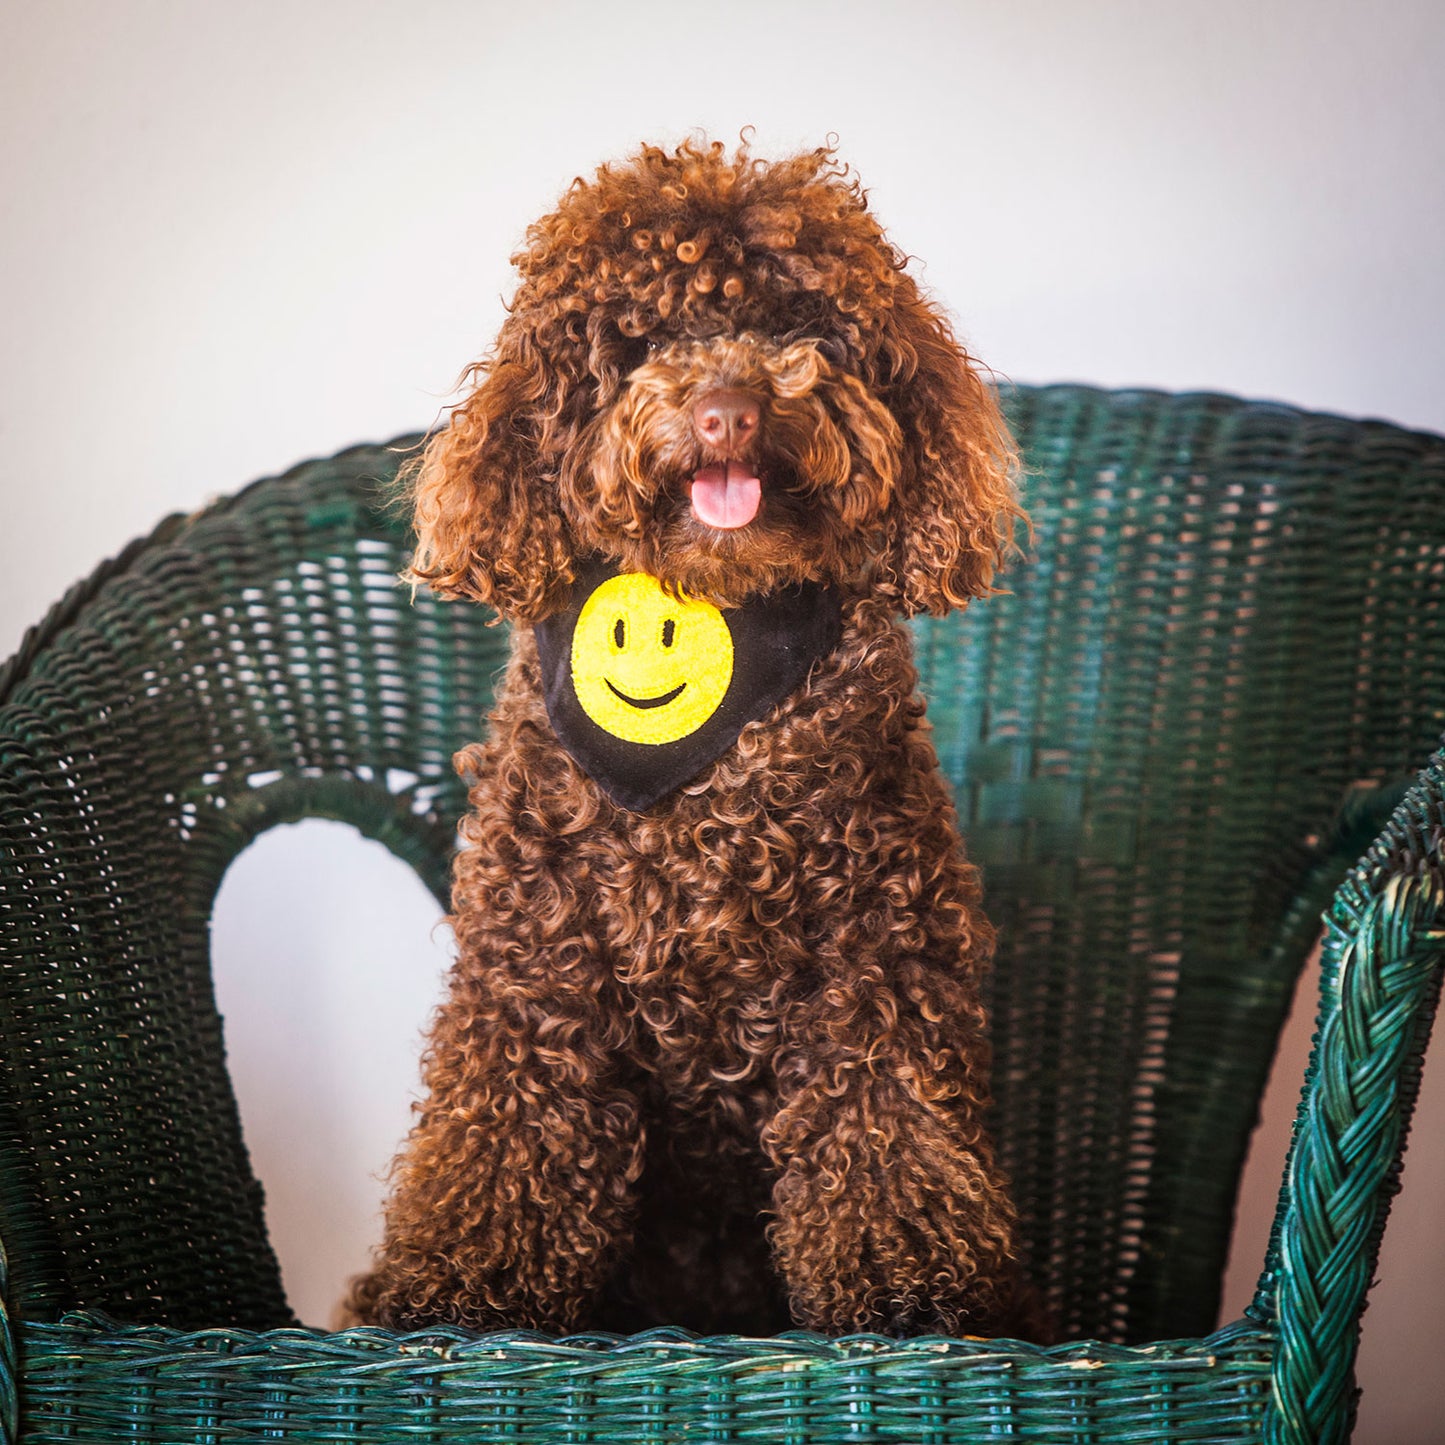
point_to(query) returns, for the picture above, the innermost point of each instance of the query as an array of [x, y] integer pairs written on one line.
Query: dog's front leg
[[515, 1193], [889, 1211]]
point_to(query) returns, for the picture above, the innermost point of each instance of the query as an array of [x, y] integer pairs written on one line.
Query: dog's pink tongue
[[725, 496]]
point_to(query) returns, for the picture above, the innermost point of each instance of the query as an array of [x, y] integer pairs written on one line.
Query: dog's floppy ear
[[483, 498], [952, 523]]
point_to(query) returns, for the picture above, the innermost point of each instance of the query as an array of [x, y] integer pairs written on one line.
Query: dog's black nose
[[727, 420]]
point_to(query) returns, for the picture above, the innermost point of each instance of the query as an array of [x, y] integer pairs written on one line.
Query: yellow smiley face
[[647, 667]]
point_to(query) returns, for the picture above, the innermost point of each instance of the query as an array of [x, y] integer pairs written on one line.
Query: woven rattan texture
[[654, 1389], [1201, 701], [1231, 627], [254, 665]]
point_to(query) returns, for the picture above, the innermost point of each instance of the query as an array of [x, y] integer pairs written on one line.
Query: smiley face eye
[[669, 631], [619, 634]]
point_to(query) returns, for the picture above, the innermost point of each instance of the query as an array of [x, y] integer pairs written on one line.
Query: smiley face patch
[[646, 667], [646, 689]]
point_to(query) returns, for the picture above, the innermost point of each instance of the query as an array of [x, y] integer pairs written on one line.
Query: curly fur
[[757, 1000]]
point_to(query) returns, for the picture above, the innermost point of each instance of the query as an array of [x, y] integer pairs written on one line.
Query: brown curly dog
[[717, 1059]]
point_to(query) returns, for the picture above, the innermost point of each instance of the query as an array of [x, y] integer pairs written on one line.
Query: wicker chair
[[1172, 745]]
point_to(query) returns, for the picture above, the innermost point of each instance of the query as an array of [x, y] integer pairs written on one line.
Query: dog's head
[[716, 370]]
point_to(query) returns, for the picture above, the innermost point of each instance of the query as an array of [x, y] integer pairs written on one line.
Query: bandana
[[645, 689]]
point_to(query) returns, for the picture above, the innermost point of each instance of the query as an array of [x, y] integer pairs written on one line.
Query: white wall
[[237, 235]]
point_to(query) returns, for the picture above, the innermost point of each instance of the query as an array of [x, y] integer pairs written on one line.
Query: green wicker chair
[[1172, 746]]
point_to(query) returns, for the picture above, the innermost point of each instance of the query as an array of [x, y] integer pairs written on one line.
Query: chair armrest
[[1382, 962]]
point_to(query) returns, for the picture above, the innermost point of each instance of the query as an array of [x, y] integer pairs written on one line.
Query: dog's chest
[[721, 944], [713, 907], [712, 960]]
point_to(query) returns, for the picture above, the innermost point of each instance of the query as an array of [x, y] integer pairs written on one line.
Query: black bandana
[[644, 690]]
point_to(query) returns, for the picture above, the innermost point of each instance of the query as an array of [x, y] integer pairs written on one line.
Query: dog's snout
[[727, 420]]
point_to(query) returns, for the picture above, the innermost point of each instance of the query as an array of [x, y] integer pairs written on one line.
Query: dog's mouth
[[726, 495]]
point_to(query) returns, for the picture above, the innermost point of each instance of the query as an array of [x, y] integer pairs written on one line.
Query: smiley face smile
[[662, 701]]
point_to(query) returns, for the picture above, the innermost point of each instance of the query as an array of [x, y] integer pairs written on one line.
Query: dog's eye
[[834, 349], [632, 351]]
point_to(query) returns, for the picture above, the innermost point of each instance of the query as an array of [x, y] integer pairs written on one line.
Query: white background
[[240, 234]]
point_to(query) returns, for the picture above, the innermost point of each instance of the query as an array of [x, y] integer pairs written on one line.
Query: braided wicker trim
[[1347, 1152]]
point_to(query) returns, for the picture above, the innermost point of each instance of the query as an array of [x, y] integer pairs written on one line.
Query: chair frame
[[1283, 1373]]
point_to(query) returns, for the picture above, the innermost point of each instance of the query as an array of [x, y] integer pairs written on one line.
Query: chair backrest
[[1167, 743], [1212, 681], [250, 666]]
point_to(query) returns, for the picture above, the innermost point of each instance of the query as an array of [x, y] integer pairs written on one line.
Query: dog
[[713, 1051]]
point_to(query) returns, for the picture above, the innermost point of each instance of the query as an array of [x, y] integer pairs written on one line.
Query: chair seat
[[89, 1381]]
